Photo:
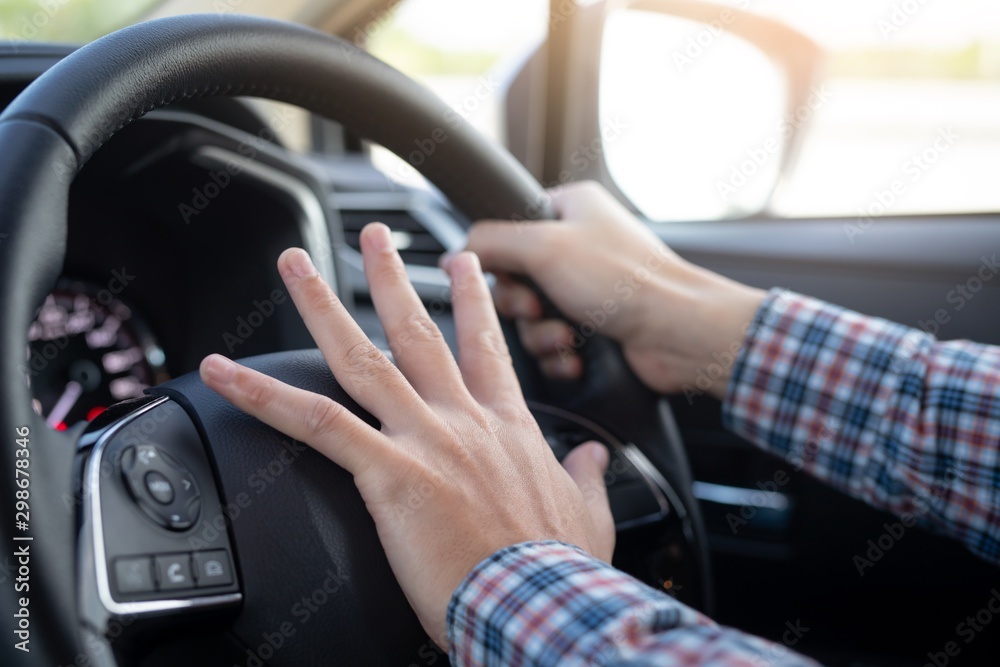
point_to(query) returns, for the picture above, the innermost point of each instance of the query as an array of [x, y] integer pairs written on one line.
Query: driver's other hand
[[459, 469], [612, 276]]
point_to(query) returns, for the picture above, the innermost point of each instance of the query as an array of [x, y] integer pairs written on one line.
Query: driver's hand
[[460, 468], [612, 276]]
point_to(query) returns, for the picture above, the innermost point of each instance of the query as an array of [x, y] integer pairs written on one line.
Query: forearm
[[883, 412], [546, 603]]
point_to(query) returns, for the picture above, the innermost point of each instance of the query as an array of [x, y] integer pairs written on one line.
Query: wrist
[[694, 332], [736, 307]]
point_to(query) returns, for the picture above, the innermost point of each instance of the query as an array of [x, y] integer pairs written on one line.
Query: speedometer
[[86, 351]]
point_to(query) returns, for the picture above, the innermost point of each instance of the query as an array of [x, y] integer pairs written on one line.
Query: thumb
[[586, 465]]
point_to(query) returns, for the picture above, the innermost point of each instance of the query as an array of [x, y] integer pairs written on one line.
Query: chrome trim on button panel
[[94, 518]]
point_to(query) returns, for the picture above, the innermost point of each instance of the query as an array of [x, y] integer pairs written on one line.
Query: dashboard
[[88, 350], [174, 229]]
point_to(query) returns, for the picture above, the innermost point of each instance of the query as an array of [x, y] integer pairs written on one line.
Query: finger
[[586, 465], [579, 200], [416, 342], [482, 351], [311, 418], [511, 247], [515, 299], [360, 368], [545, 337], [564, 366]]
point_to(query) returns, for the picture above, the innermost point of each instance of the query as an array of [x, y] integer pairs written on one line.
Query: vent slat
[[416, 244]]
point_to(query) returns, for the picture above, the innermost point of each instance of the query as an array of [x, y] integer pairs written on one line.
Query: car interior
[[152, 177]]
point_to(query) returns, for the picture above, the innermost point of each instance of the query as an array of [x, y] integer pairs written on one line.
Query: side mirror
[[685, 109]]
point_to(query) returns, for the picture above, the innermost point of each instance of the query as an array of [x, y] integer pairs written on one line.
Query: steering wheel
[[148, 528]]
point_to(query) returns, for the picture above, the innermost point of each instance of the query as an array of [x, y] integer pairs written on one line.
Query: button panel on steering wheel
[[155, 518]]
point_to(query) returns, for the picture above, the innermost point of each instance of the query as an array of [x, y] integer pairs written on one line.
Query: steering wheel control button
[[161, 486], [185, 519], [212, 568], [174, 572], [152, 482], [134, 575]]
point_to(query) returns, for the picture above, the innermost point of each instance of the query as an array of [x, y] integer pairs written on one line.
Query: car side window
[[68, 21], [463, 51], [905, 121]]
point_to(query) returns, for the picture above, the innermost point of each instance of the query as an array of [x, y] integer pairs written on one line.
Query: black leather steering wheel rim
[[50, 131]]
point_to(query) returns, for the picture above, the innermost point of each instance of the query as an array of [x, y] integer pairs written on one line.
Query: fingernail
[[219, 369], [464, 265], [301, 265], [471, 259], [380, 237], [600, 454]]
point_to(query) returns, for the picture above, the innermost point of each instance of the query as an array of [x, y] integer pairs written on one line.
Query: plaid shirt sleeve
[[885, 413], [547, 603]]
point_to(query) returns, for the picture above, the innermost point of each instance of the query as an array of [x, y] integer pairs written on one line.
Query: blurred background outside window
[[900, 74]]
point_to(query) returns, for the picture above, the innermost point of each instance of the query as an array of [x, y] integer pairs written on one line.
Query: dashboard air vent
[[415, 243]]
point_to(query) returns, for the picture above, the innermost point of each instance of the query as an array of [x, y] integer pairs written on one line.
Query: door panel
[[912, 601]]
